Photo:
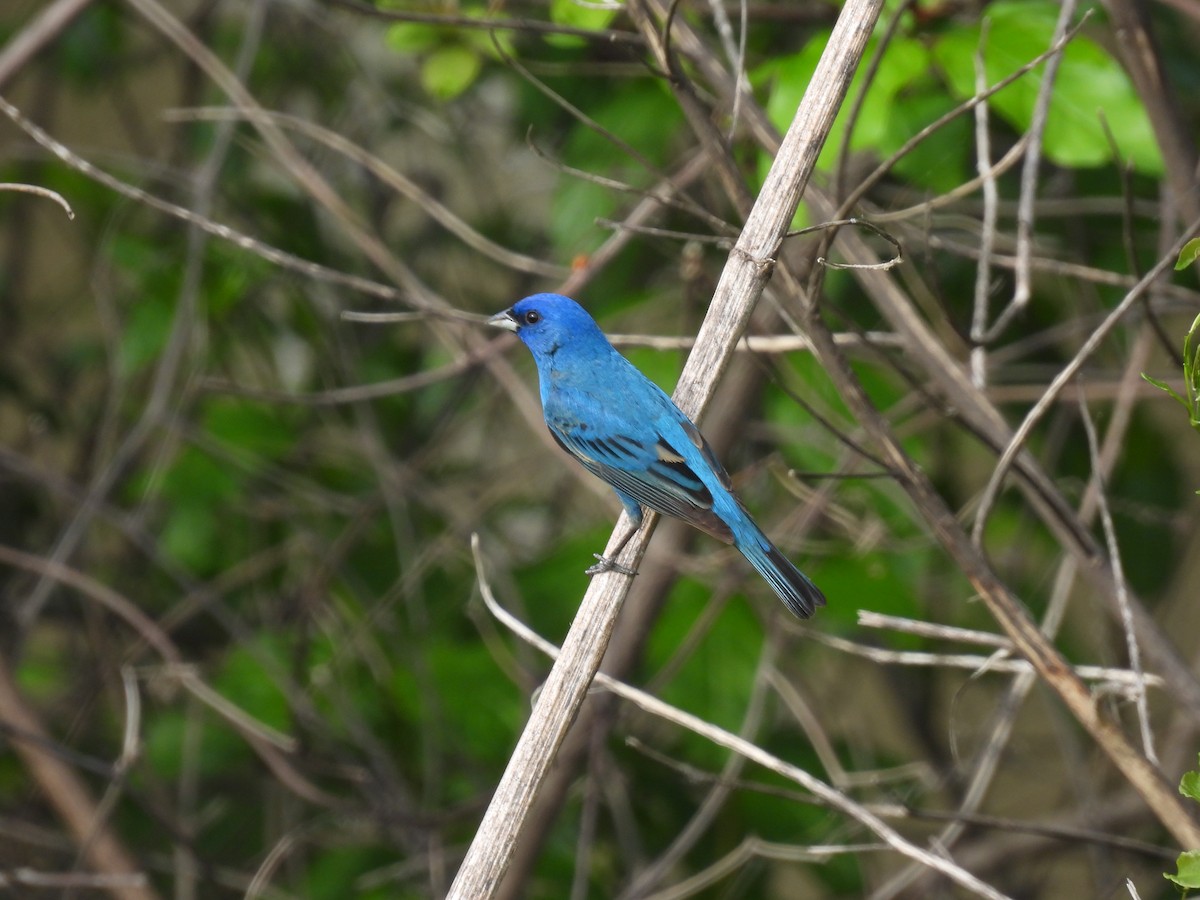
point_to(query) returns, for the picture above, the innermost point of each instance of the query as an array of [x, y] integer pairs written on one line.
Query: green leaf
[[483, 709], [449, 71], [334, 874], [1163, 386], [189, 536], [581, 15], [1090, 84], [226, 282], [878, 126], [259, 429], [243, 679], [1189, 785], [644, 116], [942, 160], [413, 37], [899, 102], [717, 675], [197, 490], [87, 49], [197, 477], [45, 670], [162, 746], [1187, 874], [145, 334], [218, 750], [574, 14], [1188, 255]]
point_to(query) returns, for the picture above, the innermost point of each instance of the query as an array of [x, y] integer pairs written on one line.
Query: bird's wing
[[659, 470]]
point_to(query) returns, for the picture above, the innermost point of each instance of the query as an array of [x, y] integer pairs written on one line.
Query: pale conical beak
[[505, 320]]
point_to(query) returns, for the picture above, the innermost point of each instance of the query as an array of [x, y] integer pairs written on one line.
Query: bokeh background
[[242, 647]]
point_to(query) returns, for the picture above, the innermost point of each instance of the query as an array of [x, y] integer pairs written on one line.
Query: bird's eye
[[532, 317]]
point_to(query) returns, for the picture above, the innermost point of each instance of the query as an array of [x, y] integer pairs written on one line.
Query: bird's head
[[547, 322]]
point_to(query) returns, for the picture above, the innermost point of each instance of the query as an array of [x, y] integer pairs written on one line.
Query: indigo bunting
[[623, 428]]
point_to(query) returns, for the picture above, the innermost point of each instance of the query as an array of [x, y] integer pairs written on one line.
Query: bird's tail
[[794, 588]]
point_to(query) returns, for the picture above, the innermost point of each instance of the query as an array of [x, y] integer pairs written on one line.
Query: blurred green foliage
[[306, 547], [1187, 866]]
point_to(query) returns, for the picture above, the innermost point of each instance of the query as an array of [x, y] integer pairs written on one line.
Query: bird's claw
[[608, 565]]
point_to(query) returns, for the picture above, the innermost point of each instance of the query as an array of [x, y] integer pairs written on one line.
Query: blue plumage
[[627, 431]]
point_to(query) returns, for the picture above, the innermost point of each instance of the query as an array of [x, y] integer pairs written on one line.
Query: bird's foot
[[608, 565]]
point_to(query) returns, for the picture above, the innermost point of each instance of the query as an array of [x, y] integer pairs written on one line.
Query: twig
[[40, 192], [1125, 681], [654, 201], [1029, 177], [1066, 269], [120, 769], [1114, 554], [882, 265], [869, 619], [987, 238]]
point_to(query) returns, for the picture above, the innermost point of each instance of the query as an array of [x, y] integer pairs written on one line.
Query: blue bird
[[624, 429]]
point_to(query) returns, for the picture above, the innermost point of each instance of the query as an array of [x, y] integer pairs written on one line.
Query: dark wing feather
[[706, 451], [657, 475]]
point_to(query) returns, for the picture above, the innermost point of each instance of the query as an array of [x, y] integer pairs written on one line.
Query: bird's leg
[[609, 563]]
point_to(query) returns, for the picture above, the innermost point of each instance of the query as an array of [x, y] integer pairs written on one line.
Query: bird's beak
[[505, 320]]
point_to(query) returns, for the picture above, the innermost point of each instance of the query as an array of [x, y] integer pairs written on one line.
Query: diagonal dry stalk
[[742, 281]]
